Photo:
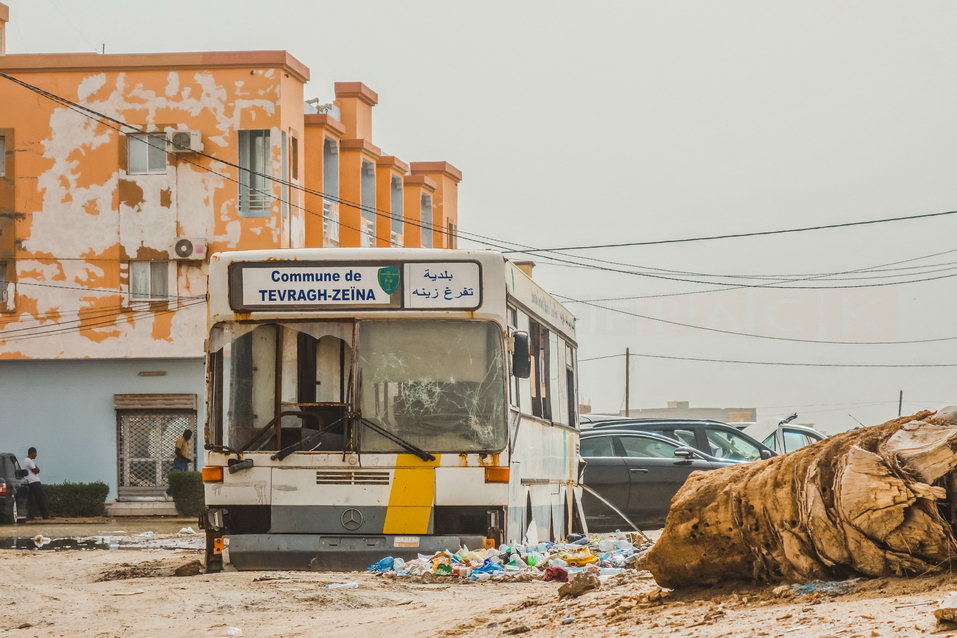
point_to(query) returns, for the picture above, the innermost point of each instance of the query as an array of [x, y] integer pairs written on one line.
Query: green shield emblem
[[389, 279]]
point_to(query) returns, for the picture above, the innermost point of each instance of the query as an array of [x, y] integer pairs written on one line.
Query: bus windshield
[[436, 384]]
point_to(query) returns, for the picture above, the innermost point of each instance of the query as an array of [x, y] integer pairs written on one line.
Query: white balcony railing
[[330, 224], [368, 233]]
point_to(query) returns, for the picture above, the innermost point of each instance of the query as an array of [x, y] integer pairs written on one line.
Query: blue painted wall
[[65, 409]]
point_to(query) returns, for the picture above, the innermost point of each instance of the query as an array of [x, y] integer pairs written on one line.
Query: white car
[[783, 437]]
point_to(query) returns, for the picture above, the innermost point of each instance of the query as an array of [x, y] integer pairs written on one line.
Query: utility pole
[[900, 403], [627, 380]]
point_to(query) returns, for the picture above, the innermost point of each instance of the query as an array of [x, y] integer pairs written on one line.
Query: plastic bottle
[[342, 586]]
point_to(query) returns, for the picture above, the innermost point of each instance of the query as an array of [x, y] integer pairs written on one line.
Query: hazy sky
[[579, 123]]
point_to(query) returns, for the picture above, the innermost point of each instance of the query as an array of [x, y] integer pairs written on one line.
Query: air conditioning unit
[[188, 248], [184, 141]]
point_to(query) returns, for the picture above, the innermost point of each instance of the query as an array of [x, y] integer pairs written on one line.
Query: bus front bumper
[[328, 552]]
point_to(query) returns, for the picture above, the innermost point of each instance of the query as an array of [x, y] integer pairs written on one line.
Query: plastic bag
[[382, 565]]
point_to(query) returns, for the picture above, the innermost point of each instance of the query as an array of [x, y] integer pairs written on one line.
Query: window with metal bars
[[146, 440]]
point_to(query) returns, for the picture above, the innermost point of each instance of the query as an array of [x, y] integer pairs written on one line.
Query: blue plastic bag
[[382, 565]]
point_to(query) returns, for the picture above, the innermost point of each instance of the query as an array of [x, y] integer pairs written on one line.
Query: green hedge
[[76, 499], [187, 489]]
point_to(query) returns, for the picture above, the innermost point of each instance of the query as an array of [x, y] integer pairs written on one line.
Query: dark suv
[[716, 439], [13, 489]]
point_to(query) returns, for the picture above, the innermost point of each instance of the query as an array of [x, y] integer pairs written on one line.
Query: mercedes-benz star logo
[[351, 519]]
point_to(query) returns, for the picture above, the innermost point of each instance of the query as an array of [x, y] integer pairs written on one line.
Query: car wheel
[[10, 516]]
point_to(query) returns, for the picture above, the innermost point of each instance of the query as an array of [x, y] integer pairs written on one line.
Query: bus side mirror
[[521, 363]]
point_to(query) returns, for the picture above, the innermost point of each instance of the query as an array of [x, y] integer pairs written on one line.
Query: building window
[[254, 193], [146, 154], [3, 272], [330, 187], [368, 204], [398, 212], [144, 440], [284, 171], [149, 279], [3, 155], [450, 242], [294, 157], [426, 220]]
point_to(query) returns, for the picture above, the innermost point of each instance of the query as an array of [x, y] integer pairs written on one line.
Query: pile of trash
[[540, 561]]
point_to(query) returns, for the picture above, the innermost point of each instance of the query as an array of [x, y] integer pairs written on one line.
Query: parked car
[[784, 438], [586, 421], [13, 489], [714, 438], [638, 473]]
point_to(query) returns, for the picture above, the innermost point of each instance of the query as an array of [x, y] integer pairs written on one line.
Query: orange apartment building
[[105, 233]]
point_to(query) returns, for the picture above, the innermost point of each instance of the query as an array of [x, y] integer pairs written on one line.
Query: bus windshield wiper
[[298, 445], [419, 452]]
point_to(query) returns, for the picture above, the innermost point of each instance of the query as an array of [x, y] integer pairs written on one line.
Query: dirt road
[[123, 592]]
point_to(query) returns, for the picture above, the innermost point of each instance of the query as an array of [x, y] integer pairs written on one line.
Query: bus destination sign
[[305, 286]]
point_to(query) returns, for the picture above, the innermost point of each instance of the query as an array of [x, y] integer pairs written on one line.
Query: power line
[[113, 291], [99, 116], [727, 286], [495, 243], [760, 336], [93, 314], [739, 235], [51, 330], [780, 363]]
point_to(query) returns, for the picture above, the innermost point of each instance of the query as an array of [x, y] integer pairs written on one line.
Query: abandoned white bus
[[372, 402]]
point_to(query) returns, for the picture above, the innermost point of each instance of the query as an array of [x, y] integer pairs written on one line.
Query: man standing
[[181, 455], [38, 497]]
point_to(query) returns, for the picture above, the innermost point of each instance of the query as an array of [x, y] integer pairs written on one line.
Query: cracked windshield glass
[[436, 384]]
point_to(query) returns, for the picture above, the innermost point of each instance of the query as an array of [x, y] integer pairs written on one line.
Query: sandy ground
[[133, 592]]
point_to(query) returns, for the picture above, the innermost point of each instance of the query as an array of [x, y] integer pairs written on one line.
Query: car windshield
[[436, 384]]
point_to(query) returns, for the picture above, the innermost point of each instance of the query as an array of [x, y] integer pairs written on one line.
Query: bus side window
[[535, 350], [514, 388], [570, 384], [556, 378], [538, 346], [524, 386]]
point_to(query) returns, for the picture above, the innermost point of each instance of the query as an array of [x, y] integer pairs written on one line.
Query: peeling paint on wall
[[85, 217]]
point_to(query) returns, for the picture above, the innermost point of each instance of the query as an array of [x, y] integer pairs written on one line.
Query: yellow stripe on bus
[[411, 497]]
